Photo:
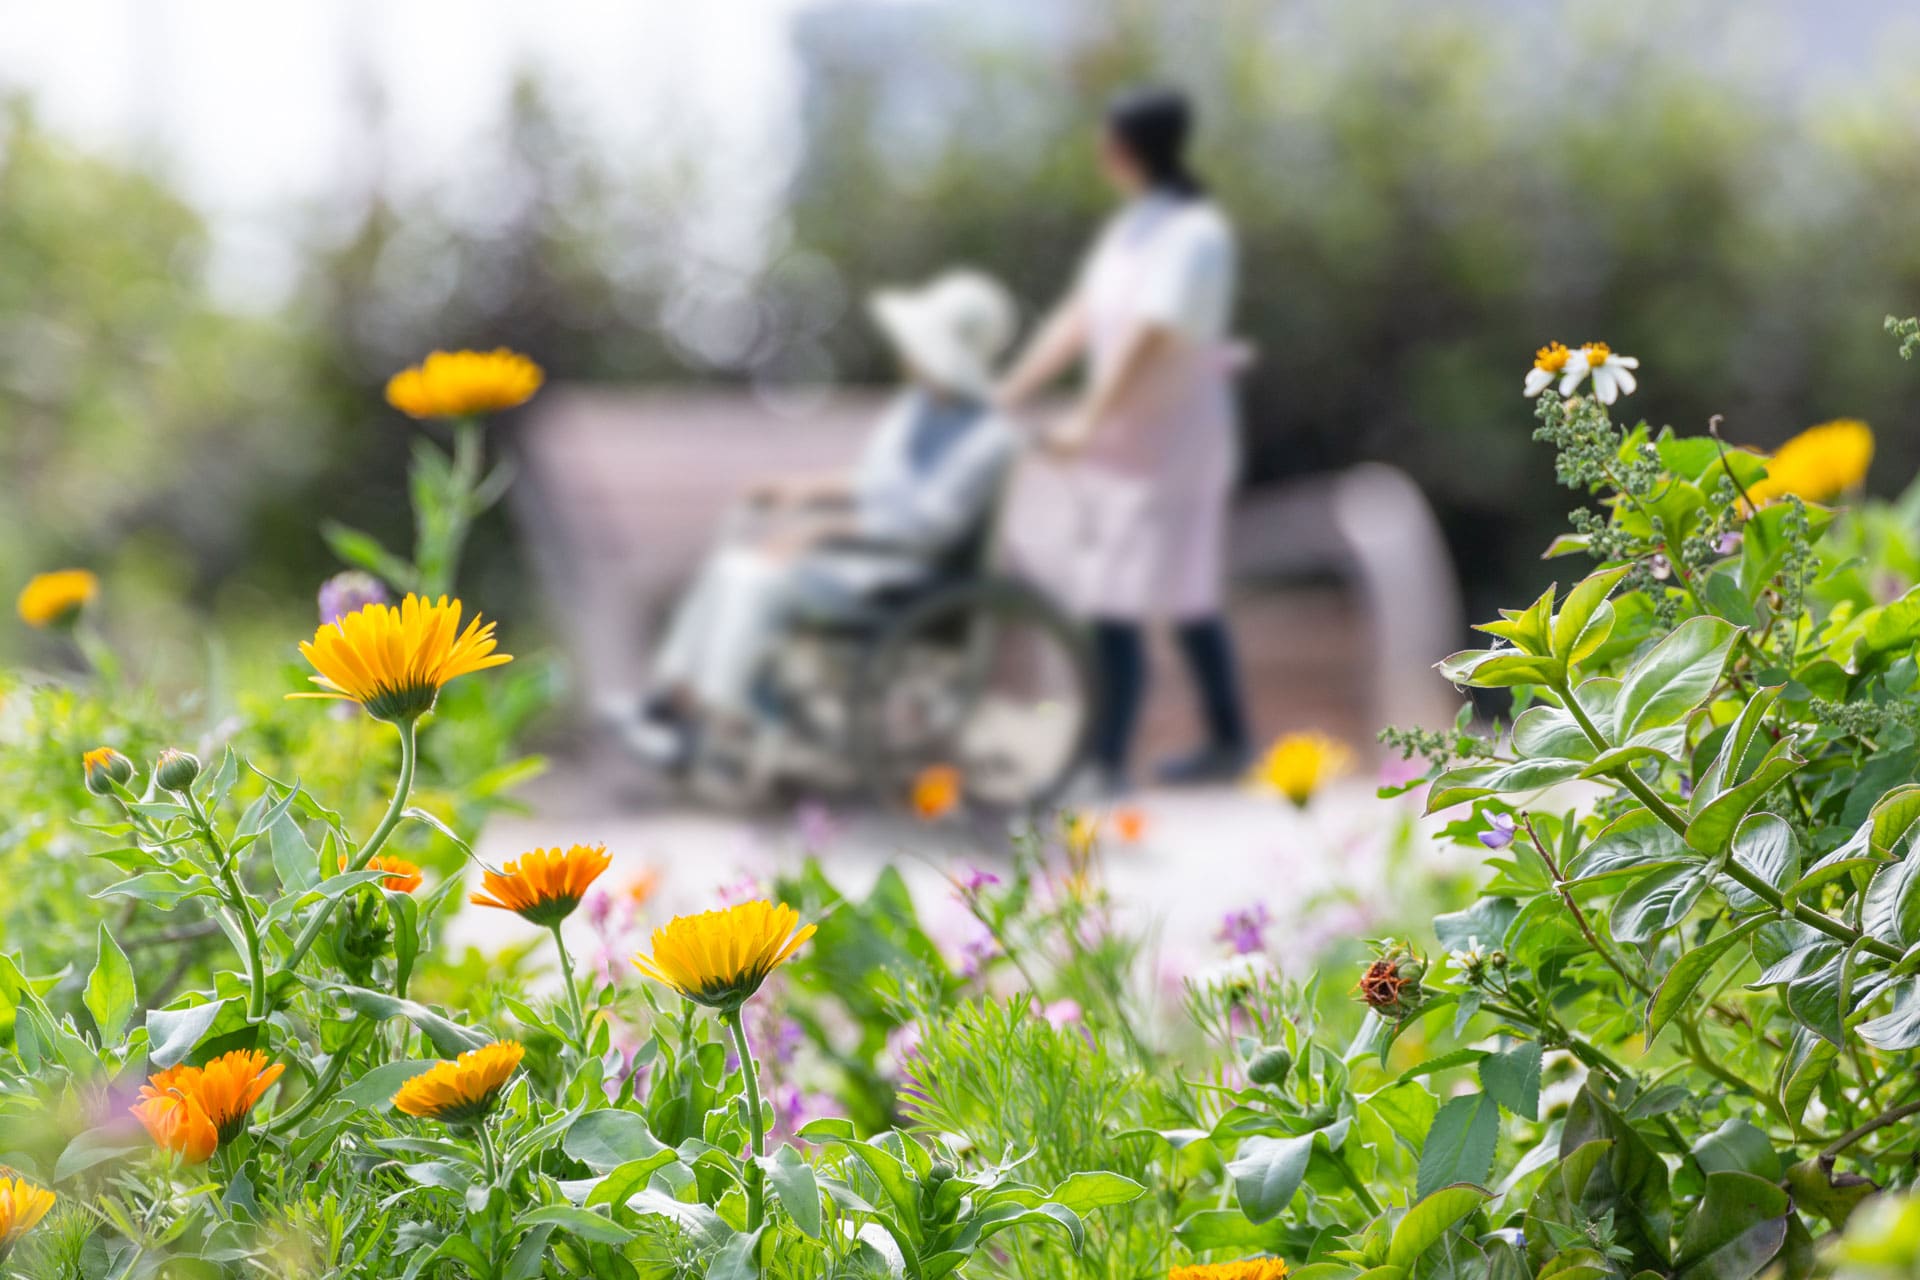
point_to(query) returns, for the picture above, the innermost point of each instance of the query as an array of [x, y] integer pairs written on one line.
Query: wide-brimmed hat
[[952, 330]]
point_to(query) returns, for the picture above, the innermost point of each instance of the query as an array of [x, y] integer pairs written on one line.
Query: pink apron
[[1151, 491]]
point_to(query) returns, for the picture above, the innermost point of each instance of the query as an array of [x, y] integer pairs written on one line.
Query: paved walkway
[[1322, 873]]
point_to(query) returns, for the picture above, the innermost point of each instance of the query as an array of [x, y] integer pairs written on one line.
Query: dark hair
[[1151, 126]]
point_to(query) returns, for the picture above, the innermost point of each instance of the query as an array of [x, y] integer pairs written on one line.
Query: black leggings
[[1122, 652]]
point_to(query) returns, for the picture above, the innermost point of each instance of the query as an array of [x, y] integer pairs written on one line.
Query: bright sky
[[248, 105]]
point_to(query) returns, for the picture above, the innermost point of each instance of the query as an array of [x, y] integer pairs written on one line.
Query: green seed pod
[[1270, 1065], [175, 770]]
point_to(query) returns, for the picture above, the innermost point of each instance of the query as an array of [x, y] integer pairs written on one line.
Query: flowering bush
[[1670, 1034]]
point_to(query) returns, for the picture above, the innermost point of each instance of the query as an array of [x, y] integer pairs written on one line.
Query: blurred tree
[[134, 412], [1423, 194]]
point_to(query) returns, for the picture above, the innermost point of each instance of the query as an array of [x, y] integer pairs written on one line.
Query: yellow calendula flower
[[1299, 764], [461, 384], [1250, 1269], [720, 958], [393, 659], [1819, 464], [464, 1090], [543, 885], [936, 792], [22, 1205], [55, 599]]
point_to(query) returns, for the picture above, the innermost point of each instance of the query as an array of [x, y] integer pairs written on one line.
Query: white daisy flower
[[1612, 374], [1548, 363]]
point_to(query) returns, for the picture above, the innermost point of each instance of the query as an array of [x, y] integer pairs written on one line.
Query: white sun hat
[[952, 330]]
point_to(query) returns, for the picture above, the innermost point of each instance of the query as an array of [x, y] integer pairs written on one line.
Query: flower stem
[[1746, 879], [487, 1152], [756, 1195], [237, 900], [573, 992], [323, 1087], [402, 790]]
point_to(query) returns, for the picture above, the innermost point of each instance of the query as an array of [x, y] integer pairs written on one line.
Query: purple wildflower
[[1245, 932], [973, 880], [349, 592], [1500, 831], [1727, 543]]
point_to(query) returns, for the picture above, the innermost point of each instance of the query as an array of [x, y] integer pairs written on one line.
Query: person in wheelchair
[[923, 483]]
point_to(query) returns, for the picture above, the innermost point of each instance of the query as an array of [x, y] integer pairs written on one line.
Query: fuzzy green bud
[[1270, 1065], [175, 770]]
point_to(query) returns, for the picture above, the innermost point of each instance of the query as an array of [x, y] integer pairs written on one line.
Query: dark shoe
[[1208, 764]]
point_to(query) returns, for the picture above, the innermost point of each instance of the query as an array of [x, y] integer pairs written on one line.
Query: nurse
[[1153, 433]]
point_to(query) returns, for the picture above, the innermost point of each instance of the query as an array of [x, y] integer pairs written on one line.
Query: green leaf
[[1585, 618], [173, 1033], [1099, 1189], [1675, 676], [1686, 975], [1894, 819], [1891, 909], [1657, 902], [1267, 1171], [1429, 1220], [1900, 1028], [1630, 1182], [376, 1087], [1512, 1079], [584, 1223], [97, 1146], [1500, 668], [605, 1139], [1738, 1147], [1816, 1187], [1636, 841], [110, 995], [449, 1037], [1766, 846], [792, 1180], [1459, 1147], [1735, 1230], [1488, 919], [1712, 828], [1855, 854], [294, 862], [1470, 782]]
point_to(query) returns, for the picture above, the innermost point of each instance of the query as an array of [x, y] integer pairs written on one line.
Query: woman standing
[[1154, 431]]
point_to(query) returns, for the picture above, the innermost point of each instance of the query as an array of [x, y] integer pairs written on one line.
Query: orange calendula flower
[[402, 876], [55, 599], [1819, 464], [720, 958], [1250, 1269], [1130, 825], [643, 886], [22, 1205], [461, 384], [192, 1110], [936, 792], [1299, 764], [392, 660], [544, 885], [464, 1090]]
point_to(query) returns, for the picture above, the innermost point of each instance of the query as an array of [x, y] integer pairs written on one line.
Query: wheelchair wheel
[[989, 677]]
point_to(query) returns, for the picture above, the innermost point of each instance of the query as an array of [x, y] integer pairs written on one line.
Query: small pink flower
[[1061, 1014]]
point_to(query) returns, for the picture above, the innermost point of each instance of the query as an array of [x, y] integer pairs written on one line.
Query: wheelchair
[[971, 668]]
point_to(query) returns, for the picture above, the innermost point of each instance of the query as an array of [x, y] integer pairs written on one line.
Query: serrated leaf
[[1512, 1079], [1460, 1145]]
